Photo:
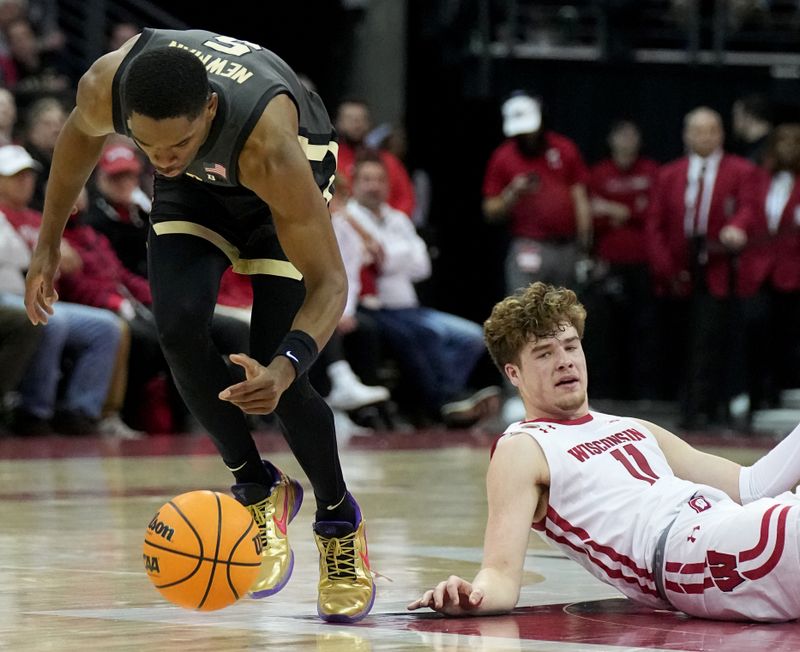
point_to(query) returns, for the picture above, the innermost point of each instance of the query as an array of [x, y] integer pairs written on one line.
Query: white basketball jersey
[[612, 493]]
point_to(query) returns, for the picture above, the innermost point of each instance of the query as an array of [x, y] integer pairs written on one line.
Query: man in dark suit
[[702, 209]]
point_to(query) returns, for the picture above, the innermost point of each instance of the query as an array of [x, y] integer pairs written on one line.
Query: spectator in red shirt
[[53, 395], [119, 207], [536, 180], [620, 188], [620, 196], [353, 123], [102, 281]]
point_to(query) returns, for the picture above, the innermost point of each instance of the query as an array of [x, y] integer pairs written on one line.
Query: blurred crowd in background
[[690, 268]]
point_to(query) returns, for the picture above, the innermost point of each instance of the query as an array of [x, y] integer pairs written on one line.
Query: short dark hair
[[367, 156], [622, 123], [352, 99], [165, 82], [357, 101]]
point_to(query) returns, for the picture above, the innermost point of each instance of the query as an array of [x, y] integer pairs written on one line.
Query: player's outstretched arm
[[516, 474], [691, 464], [776, 472], [76, 153]]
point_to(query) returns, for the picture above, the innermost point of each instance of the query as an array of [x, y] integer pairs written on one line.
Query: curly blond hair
[[539, 310]]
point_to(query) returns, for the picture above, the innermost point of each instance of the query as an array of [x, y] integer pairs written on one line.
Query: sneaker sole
[[355, 405], [268, 592], [482, 410], [298, 501], [473, 401], [341, 618]]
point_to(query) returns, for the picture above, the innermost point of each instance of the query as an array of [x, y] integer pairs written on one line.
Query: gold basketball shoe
[[273, 509], [346, 587]]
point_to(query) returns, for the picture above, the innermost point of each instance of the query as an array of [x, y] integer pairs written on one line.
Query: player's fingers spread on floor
[[456, 581], [452, 590], [424, 601], [476, 597], [438, 595]]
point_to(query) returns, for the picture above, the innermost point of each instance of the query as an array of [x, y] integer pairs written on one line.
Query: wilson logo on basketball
[[151, 564], [160, 528], [210, 562]]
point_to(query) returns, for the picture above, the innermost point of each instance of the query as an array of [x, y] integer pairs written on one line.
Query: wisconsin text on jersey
[[582, 451], [223, 67]]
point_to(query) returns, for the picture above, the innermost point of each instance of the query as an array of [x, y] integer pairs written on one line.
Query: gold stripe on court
[[240, 265]]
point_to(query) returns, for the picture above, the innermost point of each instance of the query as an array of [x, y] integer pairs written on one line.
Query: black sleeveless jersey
[[245, 77]]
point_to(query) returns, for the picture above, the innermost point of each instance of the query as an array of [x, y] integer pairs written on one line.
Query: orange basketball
[[202, 550]]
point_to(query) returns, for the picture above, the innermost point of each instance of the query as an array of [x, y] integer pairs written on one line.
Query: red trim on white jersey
[[563, 422], [644, 579]]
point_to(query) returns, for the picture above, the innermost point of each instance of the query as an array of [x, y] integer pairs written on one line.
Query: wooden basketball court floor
[[73, 512]]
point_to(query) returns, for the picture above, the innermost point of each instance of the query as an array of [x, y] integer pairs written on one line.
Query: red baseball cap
[[116, 159]]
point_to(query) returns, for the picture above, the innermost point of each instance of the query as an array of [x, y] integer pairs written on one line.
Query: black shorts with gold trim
[[234, 219]]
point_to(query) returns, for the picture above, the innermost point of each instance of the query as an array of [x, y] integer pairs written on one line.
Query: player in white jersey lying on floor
[[639, 508]]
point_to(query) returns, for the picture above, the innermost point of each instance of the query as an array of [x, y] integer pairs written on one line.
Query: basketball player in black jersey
[[245, 158]]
